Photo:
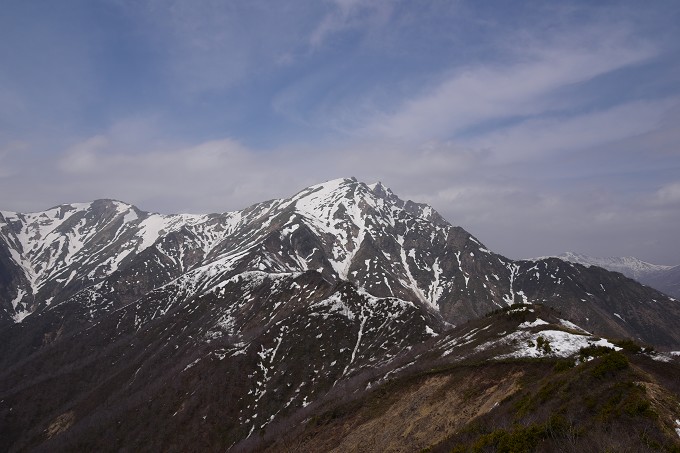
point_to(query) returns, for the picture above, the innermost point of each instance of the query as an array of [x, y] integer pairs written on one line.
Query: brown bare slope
[[410, 415], [617, 401]]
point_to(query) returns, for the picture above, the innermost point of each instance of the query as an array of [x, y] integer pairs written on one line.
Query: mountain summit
[[207, 331], [343, 229], [54, 254]]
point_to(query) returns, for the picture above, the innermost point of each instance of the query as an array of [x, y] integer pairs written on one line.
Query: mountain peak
[[230, 325], [348, 196], [627, 265], [342, 229], [381, 190]]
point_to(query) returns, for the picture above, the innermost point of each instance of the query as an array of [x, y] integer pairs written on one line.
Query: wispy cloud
[[500, 91], [346, 14], [541, 137], [668, 195]]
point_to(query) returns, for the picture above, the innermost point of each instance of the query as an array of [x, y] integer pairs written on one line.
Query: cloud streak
[[491, 92], [546, 136], [346, 14]]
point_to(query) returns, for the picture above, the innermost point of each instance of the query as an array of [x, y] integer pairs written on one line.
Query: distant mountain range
[[664, 278], [123, 329]]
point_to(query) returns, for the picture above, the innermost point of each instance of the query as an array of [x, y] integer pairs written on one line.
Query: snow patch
[[335, 305], [528, 325], [130, 216], [571, 325], [562, 344]]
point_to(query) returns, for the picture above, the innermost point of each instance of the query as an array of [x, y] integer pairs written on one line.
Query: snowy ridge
[[236, 322], [562, 344], [539, 334], [660, 277], [106, 255], [79, 245], [47, 244], [82, 242], [627, 265], [342, 214]]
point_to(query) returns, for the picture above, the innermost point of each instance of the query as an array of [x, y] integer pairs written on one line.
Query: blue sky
[[539, 127]]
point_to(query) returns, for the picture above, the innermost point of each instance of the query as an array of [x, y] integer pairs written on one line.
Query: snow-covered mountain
[[263, 311], [107, 254], [664, 278], [75, 245], [72, 246], [628, 265]]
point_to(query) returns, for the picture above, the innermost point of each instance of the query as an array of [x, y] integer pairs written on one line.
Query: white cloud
[[8, 152], [82, 157], [223, 174], [346, 14], [544, 136], [667, 195], [496, 91], [211, 46]]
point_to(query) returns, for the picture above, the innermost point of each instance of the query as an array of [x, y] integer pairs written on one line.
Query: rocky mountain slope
[[549, 387], [667, 281], [107, 254], [663, 278], [208, 332]]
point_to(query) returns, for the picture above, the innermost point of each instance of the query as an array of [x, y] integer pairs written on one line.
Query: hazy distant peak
[[627, 265]]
